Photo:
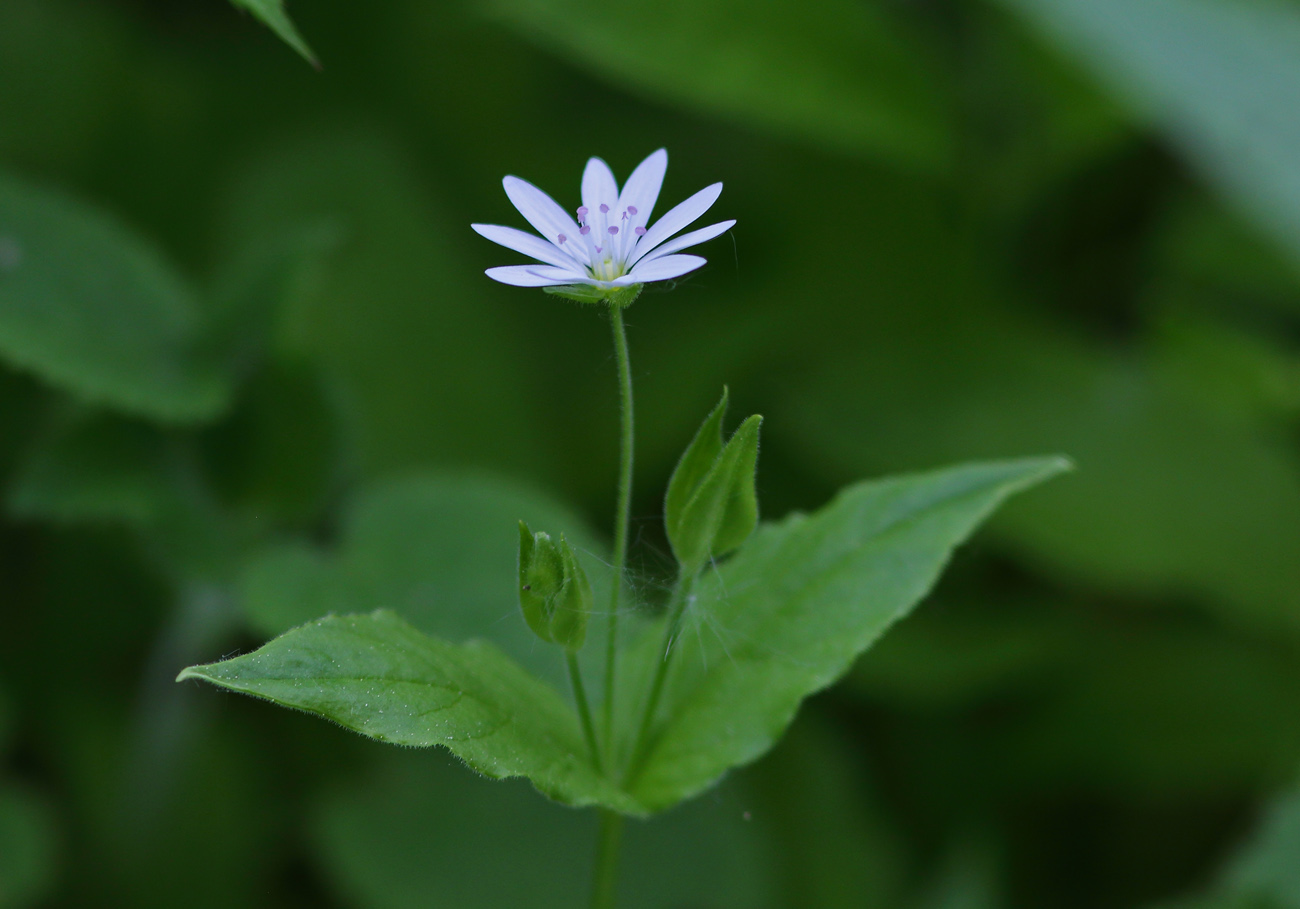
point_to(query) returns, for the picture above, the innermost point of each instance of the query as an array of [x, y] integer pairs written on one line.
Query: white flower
[[612, 244]]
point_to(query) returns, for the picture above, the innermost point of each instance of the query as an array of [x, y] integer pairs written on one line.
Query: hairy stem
[[604, 883], [677, 603], [584, 711], [620, 520]]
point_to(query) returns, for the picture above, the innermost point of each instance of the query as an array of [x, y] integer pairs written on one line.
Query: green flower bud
[[712, 505], [554, 593]]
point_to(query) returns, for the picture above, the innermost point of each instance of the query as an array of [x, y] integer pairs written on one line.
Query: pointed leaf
[[791, 611], [694, 467], [740, 514], [377, 675], [272, 15], [725, 497]]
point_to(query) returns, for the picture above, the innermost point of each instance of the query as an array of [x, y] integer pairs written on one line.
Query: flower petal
[[526, 243], [534, 275], [642, 188], [661, 269], [598, 186], [676, 218], [539, 209], [685, 241]]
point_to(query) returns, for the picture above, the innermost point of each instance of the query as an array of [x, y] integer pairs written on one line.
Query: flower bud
[[712, 505], [554, 593]]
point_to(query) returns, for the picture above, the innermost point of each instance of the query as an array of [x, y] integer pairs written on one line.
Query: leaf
[[789, 614], [693, 467], [838, 73], [272, 15], [712, 505], [1222, 78], [90, 307], [377, 675]]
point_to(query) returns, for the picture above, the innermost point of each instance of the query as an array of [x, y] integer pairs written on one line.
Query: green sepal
[[618, 297], [574, 604], [712, 506], [554, 593]]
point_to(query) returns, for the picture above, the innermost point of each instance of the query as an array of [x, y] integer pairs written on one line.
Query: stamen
[[562, 239], [613, 230], [582, 214], [631, 209], [604, 209], [585, 229], [640, 231]]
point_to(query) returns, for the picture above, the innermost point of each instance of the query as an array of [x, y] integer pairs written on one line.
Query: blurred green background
[[251, 372]]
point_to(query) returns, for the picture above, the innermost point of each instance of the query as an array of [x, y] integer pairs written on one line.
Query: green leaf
[[88, 306], [693, 467], [1222, 78], [272, 15], [377, 675], [789, 614], [842, 74], [712, 505]]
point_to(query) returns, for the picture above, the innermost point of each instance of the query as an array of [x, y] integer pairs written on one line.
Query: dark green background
[[967, 229]]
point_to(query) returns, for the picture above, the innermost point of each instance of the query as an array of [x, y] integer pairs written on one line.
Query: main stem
[[620, 520], [681, 596], [584, 710], [605, 882]]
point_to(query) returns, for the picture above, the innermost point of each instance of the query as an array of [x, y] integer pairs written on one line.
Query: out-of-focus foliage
[[971, 229], [273, 15]]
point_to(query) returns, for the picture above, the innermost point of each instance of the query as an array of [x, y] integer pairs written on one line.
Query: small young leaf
[[712, 506], [376, 675], [87, 305], [272, 15], [801, 600], [694, 467]]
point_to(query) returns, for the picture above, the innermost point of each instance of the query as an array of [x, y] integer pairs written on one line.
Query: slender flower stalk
[[621, 520]]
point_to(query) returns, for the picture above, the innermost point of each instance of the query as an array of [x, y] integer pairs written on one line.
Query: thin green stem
[[604, 885], [621, 518], [677, 603], [584, 711]]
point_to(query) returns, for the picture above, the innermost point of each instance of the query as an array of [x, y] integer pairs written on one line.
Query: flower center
[[608, 238]]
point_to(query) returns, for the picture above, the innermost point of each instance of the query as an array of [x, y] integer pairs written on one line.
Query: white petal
[[685, 241], [677, 218], [661, 269], [528, 244], [598, 185], [642, 188], [534, 275], [540, 210]]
